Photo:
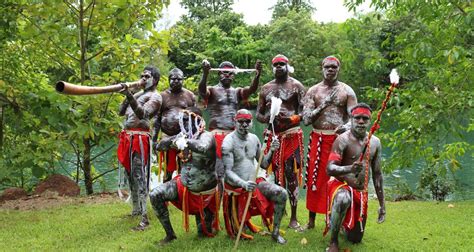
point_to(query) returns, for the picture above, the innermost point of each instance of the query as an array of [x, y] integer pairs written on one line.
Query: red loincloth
[[353, 212], [219, 136], [234, 203], [129, 143], [194, 203], [290, 141], [318, 153]]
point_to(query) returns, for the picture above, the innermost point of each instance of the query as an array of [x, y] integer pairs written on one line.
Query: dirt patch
[[61, 184], [13, 193], [51, 199]]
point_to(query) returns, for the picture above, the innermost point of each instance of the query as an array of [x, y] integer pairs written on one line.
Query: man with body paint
[[326, 108], [288, 160], [240, 152], [194, 190], [222, 101], [175, 99], [346, 196], [134, 146]]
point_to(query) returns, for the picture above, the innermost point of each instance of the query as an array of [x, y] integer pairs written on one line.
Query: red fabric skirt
[[289, 144], [129, 143], [194, 204], [353, 214], [234, 206], [219, 136], [318, 153]]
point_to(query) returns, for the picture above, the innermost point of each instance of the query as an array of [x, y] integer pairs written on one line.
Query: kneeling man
[[194, 190], [239, 152], [347, 195]]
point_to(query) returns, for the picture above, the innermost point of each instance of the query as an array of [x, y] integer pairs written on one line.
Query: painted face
[[280, 69], [226, 77], [360, 123], [330, 70], [176, 82], [243, 126], [146, 75]]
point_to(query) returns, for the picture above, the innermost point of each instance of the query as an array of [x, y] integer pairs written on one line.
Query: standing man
[[222, 100], [134, 147], [240, 151], [288, 160], [175, 99], [194, 191], [326, 108], [347, 198]]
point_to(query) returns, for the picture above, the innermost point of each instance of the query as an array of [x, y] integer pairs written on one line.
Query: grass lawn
[[409, 225]]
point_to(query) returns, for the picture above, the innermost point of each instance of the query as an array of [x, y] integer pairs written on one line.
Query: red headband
[[279, 59], [332, 58], [227, 67], [361, 110], [243, 116]]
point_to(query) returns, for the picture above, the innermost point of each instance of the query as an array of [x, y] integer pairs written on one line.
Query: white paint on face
[[243, 126], [330, 70]]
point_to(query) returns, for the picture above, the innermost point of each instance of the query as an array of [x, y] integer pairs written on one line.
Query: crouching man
[[347, 195], [194, 191], [240, 150]]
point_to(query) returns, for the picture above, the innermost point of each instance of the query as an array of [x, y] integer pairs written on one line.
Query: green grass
[[412, 226]]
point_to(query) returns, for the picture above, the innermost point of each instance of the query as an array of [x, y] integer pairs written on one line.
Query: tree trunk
[[86, 166], [1, 127]]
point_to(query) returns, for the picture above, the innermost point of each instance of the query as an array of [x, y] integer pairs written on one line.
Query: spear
[[234, 70], [394, 79], [274, 110]]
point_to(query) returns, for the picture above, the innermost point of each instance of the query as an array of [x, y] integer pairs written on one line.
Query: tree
[[202, 9], [84, 42], [433, 108], [282, 7]]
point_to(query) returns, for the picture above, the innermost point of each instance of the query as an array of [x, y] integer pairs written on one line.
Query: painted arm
[[248, 91], [202, 89], [267, 159], [351, 102], [377, 178], [156, 127], [148, 109], [123, 107], [165, 143], [334, 167]]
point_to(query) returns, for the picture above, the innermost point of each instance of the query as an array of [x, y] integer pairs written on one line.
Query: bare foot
[[167, 240], [141, 226], [295, 225], [332, 248], [278, 238], [309, 225]]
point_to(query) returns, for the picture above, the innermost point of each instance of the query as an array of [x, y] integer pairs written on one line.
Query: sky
[[258, 11]]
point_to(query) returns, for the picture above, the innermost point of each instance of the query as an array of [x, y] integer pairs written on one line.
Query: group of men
[[223, 163]]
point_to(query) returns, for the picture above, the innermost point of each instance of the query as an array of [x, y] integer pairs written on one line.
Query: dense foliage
[[428, 120]]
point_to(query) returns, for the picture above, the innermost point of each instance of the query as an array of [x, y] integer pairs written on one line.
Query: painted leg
[[140, 178], [158, 197], [342, 202], [278, 195], [293, 192], [133, 193]]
